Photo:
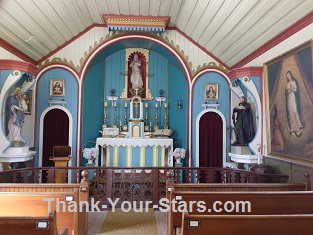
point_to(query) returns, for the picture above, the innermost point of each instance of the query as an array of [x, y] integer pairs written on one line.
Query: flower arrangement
[[90, 153], [179, 153]]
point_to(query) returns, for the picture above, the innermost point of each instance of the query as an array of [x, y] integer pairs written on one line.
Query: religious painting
[[136, 76], [27, 100], [57, 87], [289, 104], [211, 91]]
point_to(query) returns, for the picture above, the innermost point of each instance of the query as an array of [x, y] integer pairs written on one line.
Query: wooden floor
[[95, 220]]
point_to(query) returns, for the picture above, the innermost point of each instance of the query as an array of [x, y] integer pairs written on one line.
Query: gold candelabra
[[125, 117], [114, 122], [156, 127], [146, 128], [165, 116]]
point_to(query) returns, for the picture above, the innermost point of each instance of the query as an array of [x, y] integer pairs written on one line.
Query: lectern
[[61, 156]]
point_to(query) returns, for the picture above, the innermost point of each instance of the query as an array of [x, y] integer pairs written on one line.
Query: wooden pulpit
[[61, 156]]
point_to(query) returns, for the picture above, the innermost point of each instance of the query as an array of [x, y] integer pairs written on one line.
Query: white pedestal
[[242, 154], [241, 150], [17, 154], [250, 159]]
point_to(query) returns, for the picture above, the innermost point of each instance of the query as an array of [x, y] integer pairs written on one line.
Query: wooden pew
[[78, 221], [246, 224], [260, 203], [305, 186], [30, 225]]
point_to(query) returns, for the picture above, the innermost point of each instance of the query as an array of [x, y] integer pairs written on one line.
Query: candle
[[165, 105], [156, 105], [146, 105], [125, 105], [114, 104], [150, 124], [105, 104], [120, 123]]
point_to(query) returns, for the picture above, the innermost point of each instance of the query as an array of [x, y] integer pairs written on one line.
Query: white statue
[[136, 78]]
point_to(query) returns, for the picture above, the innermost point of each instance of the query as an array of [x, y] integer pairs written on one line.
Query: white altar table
[[166, 145]]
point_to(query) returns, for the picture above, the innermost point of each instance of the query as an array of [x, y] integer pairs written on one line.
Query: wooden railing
[[136, 184]]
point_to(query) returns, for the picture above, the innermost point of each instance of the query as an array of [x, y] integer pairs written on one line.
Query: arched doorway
[[211, 140], [211, 137], [55, 130]]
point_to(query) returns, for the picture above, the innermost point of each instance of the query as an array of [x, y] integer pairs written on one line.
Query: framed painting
[[57, 87], [211, 91], [289, 104], [28, 101]]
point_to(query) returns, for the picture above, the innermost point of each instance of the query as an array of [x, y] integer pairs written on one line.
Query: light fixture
[[112, 97], [180, 102], [160, 98]]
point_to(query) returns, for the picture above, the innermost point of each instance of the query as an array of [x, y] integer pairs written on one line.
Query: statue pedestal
[[60, 162], [240, 150], [17, 154], [242, 154]]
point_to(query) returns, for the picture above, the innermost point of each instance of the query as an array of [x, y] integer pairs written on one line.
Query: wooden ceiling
[[229, 29]]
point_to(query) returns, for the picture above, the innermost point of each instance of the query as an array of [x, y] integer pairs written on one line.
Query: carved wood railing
[[137, 184]]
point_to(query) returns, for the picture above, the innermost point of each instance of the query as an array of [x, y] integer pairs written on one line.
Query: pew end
[[31, 225], [246, 224]]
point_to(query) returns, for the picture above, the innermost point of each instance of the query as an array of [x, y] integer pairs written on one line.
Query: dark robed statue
[[243, 123]]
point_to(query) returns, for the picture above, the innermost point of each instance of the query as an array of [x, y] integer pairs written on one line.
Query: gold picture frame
[[211, 91], [29, 102], [289, 104], [57, 87]]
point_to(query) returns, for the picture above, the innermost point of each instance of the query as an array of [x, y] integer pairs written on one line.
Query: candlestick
[[114, 120], [156, 127], [105, 104], [146, 127], [125, 119], [114, 104], [105, 116], [125, 105], [165, 116]]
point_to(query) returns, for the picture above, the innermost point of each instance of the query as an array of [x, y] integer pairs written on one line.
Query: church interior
[[144, 100]]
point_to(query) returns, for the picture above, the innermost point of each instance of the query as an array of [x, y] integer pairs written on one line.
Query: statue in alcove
[[16, 106], [243, 122], [137, 72], [136, 77]]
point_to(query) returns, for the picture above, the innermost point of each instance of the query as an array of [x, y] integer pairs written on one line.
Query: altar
[[136, 152]]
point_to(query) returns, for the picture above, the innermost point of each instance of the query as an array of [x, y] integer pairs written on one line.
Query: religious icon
[[211, 91], [57, 87]]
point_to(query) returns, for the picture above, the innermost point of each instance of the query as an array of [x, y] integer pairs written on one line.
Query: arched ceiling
[[228, 29]]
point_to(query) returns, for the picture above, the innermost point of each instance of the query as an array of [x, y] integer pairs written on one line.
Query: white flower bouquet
[[90, 153], [179, 153]]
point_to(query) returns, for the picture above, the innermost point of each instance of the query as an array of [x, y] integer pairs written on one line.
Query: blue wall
[[198, 100], [71, 97], [104, 74]]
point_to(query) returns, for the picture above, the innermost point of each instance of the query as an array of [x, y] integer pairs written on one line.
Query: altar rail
[[137, 184]]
